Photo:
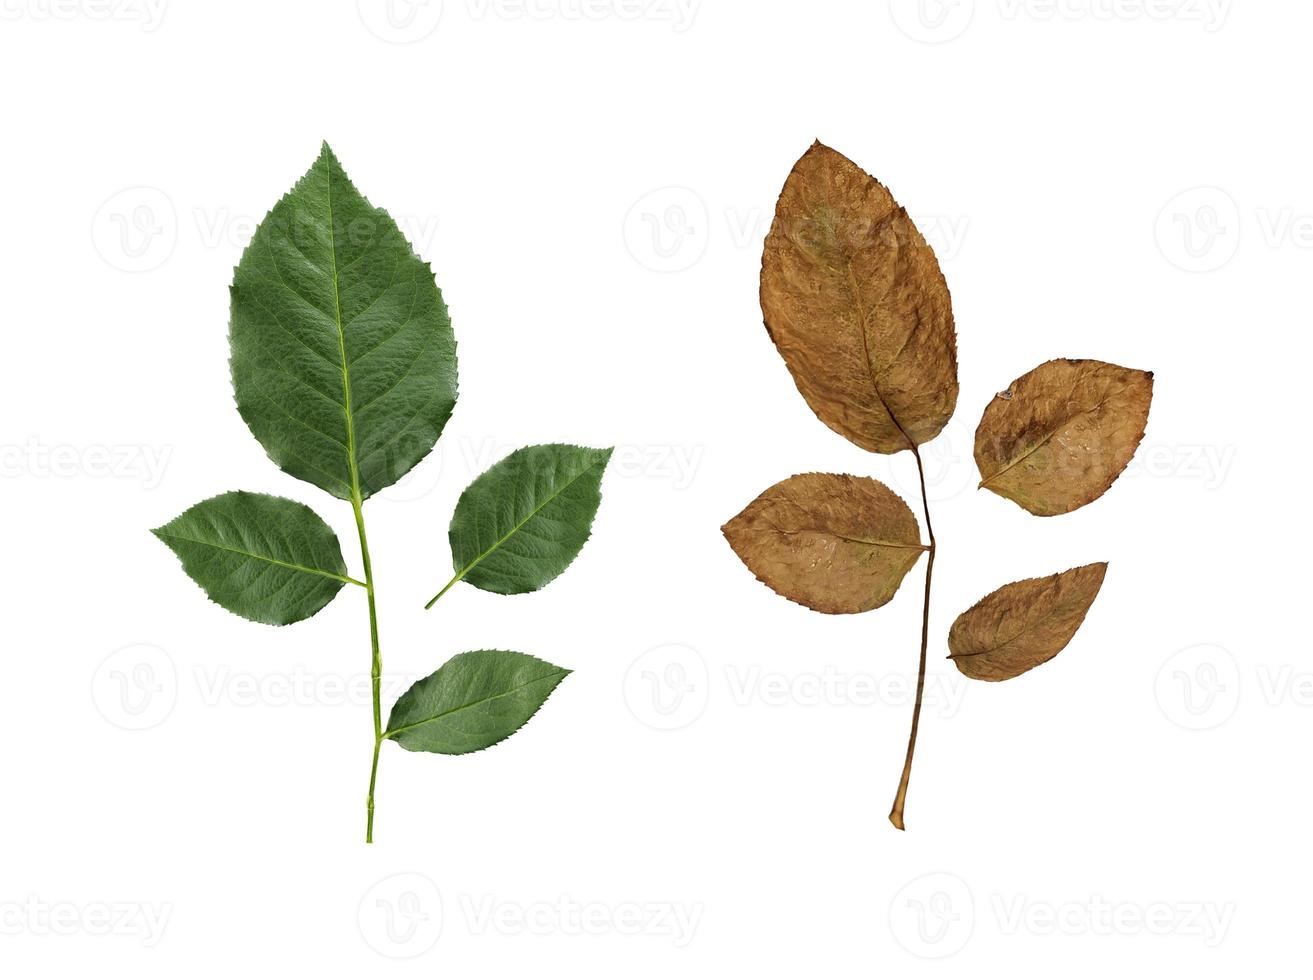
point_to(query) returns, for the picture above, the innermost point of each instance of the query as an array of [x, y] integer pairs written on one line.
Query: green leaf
[[268, 559], [521, 523], [343, 359], [472, 701]]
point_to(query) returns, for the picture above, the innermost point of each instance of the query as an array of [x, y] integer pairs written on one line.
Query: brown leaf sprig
[[855, 302]]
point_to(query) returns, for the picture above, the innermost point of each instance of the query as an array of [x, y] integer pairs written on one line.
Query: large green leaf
[[472, 701], [343, 359], [521, 523], [266, 558]]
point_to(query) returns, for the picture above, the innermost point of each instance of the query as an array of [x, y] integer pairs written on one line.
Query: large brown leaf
[[854, 300], [1023, 624], [1061, 434], [836, 544]]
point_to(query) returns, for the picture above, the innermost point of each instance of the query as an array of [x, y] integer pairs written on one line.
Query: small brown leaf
[[1061, 434], [836, 544], [853, 298], [1023, 624]]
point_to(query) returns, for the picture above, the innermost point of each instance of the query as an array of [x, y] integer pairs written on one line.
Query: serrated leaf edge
[[561, 674], [1033, 578], [603, 456], [987, 481], [923, 548], [326, 151], [164, 539]]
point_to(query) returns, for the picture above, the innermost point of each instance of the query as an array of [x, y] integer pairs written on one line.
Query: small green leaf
[[521, 523], [268, 559], [343, 359], [472, 701]]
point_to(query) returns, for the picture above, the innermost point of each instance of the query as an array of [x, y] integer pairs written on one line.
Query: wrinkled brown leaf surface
[[1061, 434], [854, 300], [836, 544], [1023, 624]]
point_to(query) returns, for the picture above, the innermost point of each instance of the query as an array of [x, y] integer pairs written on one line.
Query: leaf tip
[[731, 528]]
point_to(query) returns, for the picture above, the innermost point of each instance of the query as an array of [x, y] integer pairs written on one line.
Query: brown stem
[[900, 799]]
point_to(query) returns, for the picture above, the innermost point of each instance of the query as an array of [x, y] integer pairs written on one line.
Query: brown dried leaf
[[836, 544], [854, 300], [1023, 624], [1061, 434]]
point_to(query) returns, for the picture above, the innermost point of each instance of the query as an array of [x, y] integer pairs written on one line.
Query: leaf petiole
[[443, 591], [900, 798], [375, 667]]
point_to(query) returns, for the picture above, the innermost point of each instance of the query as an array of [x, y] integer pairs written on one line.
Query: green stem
[[369, 805], [900, 798], [376, 665]]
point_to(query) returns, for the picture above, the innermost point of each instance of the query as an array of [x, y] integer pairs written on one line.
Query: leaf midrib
[[562, 672], [866, 351], [167, 535], [881, 544], [1049, 436], [824, 532], [518, 527], [1033, 615], [352, 467]]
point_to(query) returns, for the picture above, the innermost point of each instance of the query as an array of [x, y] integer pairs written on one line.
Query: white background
[[706, 795]]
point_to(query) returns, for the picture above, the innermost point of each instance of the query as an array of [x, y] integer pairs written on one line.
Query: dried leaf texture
[[1023, 624], [835, 544], [854, 300], [1061, 434]]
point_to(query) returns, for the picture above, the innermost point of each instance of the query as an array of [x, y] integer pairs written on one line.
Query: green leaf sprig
[[344, 368]]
